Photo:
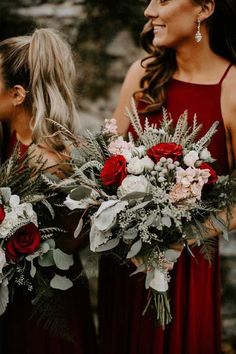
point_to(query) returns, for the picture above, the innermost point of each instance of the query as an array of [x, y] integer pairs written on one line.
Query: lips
[[157, 28]]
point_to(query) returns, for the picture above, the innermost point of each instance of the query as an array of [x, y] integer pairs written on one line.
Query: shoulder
[[130, 85], [52, 160], [229, 97], [134, 75]]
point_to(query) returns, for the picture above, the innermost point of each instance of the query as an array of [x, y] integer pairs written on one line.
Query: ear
[[207, 9], [18, 95]]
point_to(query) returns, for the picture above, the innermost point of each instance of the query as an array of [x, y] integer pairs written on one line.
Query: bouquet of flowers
[[144, 195], [27, 245]]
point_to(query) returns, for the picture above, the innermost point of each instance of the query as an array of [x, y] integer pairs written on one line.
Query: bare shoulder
[[229, 98], [52, 160], [130, 85]]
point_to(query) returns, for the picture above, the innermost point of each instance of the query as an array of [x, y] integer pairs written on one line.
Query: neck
[[21, 125], [199, 63]]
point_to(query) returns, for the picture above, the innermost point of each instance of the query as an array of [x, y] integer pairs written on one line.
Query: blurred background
[[104, 35]]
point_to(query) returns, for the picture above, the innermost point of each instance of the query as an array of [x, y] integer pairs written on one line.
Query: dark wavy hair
[[162, 65]]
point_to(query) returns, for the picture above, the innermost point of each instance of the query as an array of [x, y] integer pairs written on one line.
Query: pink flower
[[121, 147], [110, 126]]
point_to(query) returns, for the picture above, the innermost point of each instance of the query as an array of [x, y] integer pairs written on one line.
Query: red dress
[[23, 335], [194, 286]]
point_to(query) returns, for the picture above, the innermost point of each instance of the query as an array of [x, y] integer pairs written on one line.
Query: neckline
[[206, 85], [194, 83]]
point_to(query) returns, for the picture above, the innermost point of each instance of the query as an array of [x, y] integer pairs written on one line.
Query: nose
[[152, 10]]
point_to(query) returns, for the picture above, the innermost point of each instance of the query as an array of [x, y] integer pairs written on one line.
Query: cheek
[[6, 107]]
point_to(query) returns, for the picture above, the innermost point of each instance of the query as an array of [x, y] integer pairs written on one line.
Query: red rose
[[114, 171], [2, 213], [24, 241], [213, 176], [167, 150]]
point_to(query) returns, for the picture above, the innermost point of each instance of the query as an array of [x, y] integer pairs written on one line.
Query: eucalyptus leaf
[[32, 269], [134, 195], [46, 259], [105, 217], [62, 260], [130, 234], [139, 206], [5, 192], [220, 225], [135, 248], [109, 245], [78, 228], [81, 192], [166, 220], [97, 237], [141, 268], [61, 282], [4, 297]]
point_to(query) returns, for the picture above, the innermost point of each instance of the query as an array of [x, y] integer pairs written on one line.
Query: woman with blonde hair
[[37, 76]]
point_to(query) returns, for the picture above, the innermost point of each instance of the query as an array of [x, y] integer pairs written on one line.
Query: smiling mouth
[[157, 28]]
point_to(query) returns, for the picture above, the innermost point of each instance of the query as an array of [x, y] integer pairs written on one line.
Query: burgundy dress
[[194, 286], [22, 333]]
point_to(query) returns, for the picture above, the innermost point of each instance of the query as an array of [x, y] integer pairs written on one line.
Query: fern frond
[[181, 127], [134, 118], [207, 137]]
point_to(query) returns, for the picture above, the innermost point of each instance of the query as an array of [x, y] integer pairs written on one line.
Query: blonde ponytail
[[42, 63], [52, 74]]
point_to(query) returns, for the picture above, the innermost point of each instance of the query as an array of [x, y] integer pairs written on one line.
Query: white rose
[[127, 155], [148, 164], [135, 166], [191, 158], [10, 220], [132, 184], [205, 154], [2, 259]]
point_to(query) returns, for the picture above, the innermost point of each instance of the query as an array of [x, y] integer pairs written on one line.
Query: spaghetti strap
[[225, 73]]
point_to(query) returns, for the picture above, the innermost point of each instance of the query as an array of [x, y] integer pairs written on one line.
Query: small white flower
[[132, 184], [79, 204], [148, 164], [135, 166], [190, 158], [205, 155]]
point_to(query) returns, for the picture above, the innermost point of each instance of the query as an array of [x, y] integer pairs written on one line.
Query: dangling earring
[[198, 35]]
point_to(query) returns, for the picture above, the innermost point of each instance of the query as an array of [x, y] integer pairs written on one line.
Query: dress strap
[[225, 73]]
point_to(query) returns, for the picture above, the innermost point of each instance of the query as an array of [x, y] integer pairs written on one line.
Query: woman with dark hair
[[191, 65], [37, 76]]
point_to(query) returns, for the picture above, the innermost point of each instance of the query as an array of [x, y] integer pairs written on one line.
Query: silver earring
[[198, 35]]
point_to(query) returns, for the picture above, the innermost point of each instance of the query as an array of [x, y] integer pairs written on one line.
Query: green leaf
[[78, 228], [109, 245], [46, 260], [134, 250], [62, 260], [220, 225], [61, 282], [81, 192], [4, 297]]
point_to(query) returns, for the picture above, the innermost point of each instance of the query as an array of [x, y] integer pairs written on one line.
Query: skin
[[174, 24], [12, 110]]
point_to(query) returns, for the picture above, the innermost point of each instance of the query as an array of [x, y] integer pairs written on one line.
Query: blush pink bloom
[[110, 126]]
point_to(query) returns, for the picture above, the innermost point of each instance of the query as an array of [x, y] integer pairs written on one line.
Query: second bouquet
[[147, 194]]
